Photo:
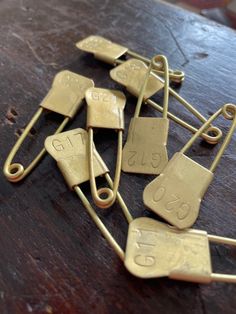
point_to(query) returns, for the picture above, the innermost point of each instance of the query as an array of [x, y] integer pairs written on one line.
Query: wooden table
[[53, 259]]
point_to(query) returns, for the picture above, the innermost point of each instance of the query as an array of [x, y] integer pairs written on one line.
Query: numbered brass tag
[[67, 91], [70, 151], [155, 249], [145, 150], [102, 48], [131, 74], [105, 108], [177, 193]]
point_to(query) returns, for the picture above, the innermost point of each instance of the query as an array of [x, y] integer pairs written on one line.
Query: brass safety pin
[[109, 52], [177, 193], [105, 110], [131, 74], [64, 97], [70, 150], [145, 149], [155, 250]]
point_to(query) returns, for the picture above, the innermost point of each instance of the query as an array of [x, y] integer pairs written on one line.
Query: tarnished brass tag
[[65, 96], [177, 193], [145, 150], [131, 74], [102, 48], [155, 249], [105, 108], [70, 151]]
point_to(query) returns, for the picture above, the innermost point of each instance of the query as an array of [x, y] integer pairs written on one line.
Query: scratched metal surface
[[53, 259]]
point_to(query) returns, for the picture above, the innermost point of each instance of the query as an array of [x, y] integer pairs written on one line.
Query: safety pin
[[70, 150], [64, 97], [109, 52], [105, 110], [155, 250], [131, 75], [177, 193], [145, 150]]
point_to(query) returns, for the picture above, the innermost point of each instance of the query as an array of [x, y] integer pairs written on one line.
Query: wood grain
[[53, 259]]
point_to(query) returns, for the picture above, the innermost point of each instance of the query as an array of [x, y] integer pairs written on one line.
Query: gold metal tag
[[105, 108], [65, 96], [145, 149], [177, 193], [70, 150], [102, 48], [155, 249], [131, 74]]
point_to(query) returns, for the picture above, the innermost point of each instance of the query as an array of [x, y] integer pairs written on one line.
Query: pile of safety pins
[[154, 249]]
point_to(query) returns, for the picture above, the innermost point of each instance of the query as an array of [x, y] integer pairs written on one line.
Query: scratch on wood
[[177, 44], [170, 32], [22, 6], [53, 64], [29, 307], [202, 302], [37, 57]]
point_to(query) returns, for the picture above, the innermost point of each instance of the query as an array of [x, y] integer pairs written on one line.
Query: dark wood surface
[[52, 258]]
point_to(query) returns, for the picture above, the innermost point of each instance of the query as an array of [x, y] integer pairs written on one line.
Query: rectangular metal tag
[[155, 249], [102, 48], [105, 108], [145, 150], [132, 73], [177, 193], [67, 92], [70, 150]]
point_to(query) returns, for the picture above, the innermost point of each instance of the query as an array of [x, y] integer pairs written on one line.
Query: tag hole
[[176, 72], [15, 169], [212, 133], [104, 195]]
